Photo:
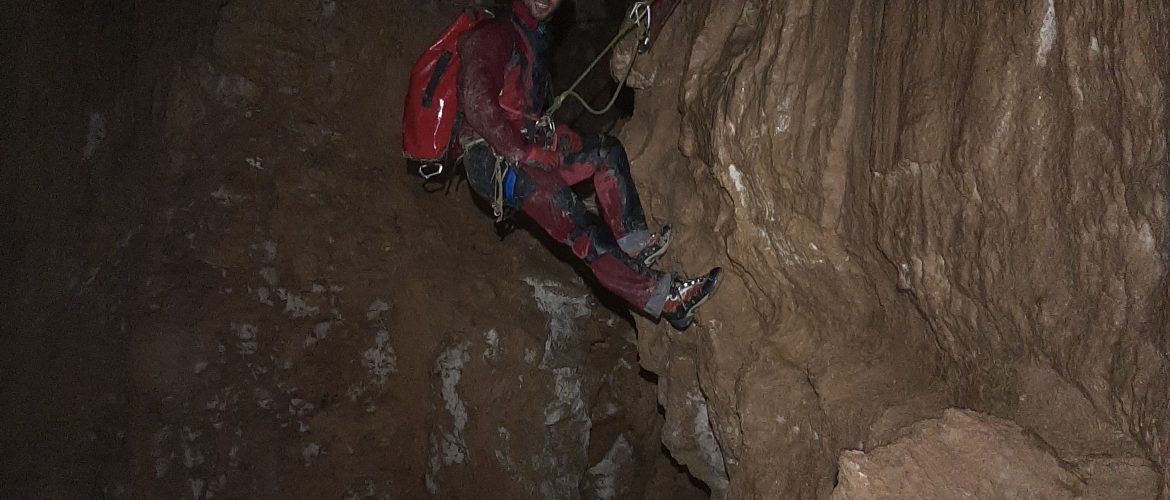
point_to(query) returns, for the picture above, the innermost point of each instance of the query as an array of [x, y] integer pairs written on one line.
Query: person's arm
[[485, 52]]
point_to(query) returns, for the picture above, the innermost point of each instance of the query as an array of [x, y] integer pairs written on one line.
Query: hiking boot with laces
[[686, 296], [655, 247]]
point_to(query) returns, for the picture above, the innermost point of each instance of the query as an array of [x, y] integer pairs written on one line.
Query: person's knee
[[615, 162], [609, 141], [567, 201], [582, 247], [613, 154]]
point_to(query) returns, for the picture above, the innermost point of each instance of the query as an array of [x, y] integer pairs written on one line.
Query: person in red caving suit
[[513, 159]]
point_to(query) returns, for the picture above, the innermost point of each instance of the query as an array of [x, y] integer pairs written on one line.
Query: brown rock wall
[[312, 324], [915, 199], [221, 284]]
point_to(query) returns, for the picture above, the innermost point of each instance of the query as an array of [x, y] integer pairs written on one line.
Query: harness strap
[[529, 52]]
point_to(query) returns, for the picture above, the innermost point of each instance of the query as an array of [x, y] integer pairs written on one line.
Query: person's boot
[[686, 296], [655, 247]]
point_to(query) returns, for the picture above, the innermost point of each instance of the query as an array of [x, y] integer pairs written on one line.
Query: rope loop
[[639, 13]]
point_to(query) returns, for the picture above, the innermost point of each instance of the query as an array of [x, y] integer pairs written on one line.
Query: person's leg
[[547, 198], [603, 158], [549, 201]]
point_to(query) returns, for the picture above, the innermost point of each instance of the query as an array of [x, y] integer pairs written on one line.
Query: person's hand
[[541, 158], [568, 139]]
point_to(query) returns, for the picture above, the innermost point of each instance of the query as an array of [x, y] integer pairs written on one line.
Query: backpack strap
[[530, 53]]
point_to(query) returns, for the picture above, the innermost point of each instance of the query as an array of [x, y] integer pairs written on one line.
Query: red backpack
[[432, 99]]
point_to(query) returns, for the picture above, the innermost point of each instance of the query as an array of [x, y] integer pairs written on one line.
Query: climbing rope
[[639, 13]]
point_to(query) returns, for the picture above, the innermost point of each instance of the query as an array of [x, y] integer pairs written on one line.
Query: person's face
[[542, 9]]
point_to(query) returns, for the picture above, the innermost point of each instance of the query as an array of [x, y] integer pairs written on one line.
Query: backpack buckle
[[430, 169]]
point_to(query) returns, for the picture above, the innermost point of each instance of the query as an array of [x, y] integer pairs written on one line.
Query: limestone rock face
[[968, 455], [917, 202]]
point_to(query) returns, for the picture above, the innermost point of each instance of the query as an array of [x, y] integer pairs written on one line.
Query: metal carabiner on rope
[[637, 12], [546, 129]]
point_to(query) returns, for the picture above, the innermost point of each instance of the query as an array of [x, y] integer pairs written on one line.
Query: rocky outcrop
[[965, 454], [917, 201]]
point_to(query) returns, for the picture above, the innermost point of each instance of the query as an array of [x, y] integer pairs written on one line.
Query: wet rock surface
[[918, 201]]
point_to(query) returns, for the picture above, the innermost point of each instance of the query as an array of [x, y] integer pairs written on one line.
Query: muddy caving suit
[[504, 86]]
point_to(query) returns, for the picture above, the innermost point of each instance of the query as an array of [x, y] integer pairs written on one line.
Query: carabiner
[[637, 12]]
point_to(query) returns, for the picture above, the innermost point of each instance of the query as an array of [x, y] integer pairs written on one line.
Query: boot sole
[[652, 259], [686, 321]]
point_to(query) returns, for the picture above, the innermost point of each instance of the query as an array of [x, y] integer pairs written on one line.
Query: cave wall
[[216, 266], [223, 283], [311, 323], [66, 136], [920, 202]]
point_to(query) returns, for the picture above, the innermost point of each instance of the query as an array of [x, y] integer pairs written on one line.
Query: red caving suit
[[503, 90]]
